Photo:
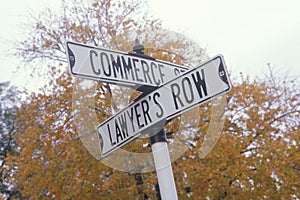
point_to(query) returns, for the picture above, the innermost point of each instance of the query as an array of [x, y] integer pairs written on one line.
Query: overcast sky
[[249, 34]]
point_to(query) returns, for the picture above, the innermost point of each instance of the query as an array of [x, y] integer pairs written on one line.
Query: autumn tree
[[257, 156]]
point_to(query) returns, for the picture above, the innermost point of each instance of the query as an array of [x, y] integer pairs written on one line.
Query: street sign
[[118, 67], [169, 100]]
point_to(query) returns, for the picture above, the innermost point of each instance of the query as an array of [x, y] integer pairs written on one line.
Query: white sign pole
[[163, 166], [161, 155]]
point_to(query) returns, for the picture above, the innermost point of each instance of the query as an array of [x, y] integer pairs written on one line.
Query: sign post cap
[[138, 47]]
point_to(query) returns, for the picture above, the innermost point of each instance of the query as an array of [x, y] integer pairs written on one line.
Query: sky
[[249, 34]]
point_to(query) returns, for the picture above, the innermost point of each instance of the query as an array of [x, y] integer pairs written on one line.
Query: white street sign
[[185, 92], [118, 67]]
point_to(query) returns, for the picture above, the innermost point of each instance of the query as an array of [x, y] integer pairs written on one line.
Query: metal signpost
[[168, 91]]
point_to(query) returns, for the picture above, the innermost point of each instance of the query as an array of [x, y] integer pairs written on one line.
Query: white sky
[[248, 33]]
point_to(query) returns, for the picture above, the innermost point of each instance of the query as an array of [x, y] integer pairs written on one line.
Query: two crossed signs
[[168, 89]]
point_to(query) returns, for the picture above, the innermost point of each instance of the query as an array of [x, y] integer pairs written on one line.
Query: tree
[[257, 155], [9, 96]]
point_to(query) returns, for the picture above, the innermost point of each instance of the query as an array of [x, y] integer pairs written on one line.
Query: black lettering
[[136, 69], [176, 71], [92, 63], [105, 65], [145, 68], [127, 67], [145, 108], [186, 85], [161, 73], [176, 94], [200, 83], [158, 114], [118, 132], [131, 118], [153, 65], [138, 115], [116, 65], [110, 138], [123, 124]]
